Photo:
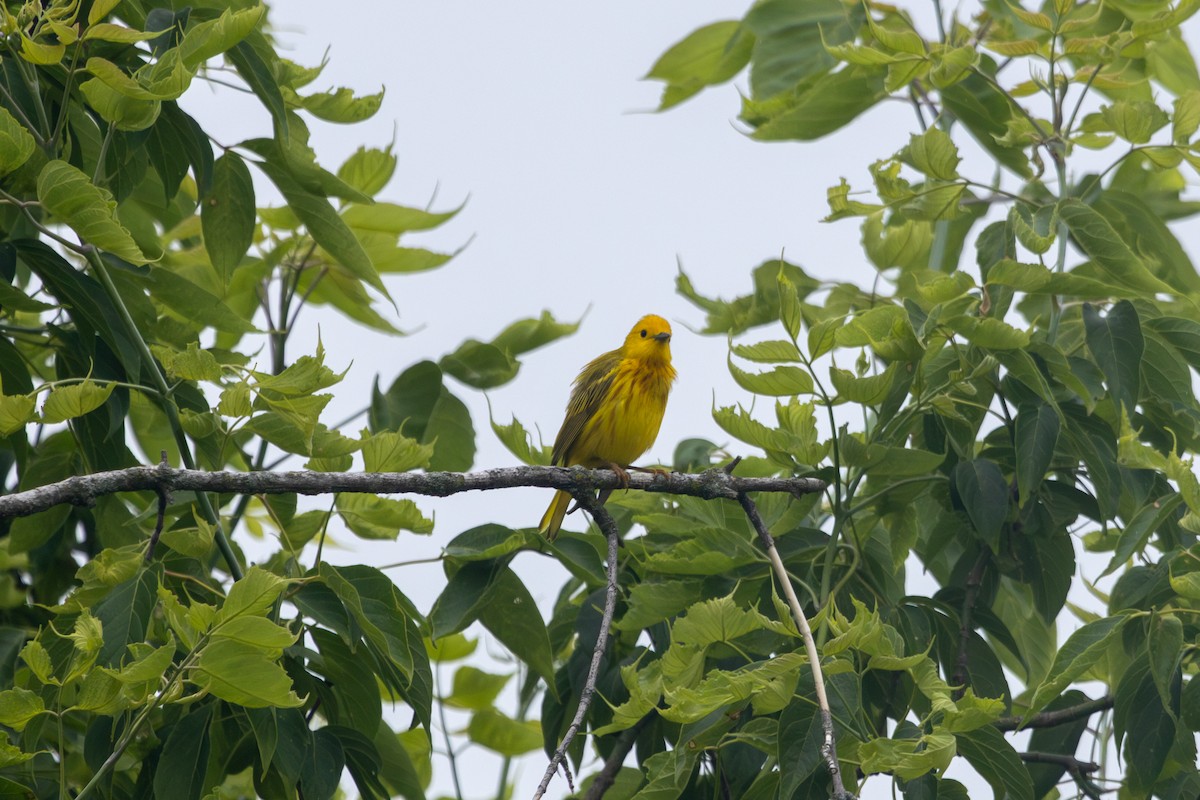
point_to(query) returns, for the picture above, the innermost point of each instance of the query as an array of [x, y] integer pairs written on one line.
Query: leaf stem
[[169, 407]]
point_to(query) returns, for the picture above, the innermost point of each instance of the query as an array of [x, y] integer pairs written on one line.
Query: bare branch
[[84, 489], [1061, 716], [609, 526], [829, 745]]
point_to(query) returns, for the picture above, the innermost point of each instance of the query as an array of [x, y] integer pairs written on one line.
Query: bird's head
[[650, 338]]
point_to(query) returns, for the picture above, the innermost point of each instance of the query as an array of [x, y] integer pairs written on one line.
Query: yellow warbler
[[616, 406]]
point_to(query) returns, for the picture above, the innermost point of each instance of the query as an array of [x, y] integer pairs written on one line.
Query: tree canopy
[[1009, 410]]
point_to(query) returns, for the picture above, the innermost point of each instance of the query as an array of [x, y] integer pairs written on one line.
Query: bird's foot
[[661, 472], [622, 474]]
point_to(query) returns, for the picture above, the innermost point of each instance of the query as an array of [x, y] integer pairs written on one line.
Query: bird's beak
[[663, 337]]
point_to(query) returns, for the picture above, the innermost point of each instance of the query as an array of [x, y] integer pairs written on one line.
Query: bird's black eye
[[643, 333]]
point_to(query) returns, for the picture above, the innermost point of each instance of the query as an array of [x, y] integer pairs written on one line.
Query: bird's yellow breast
[[626, 423]]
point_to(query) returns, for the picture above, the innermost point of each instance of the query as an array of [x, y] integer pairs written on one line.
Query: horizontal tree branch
[[84, 489], [1050, 719]]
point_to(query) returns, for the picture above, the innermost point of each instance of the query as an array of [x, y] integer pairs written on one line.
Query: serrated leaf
[[16, 143], [934, 154], [389, 451], [372, 517], [779, 382], [70, 195]]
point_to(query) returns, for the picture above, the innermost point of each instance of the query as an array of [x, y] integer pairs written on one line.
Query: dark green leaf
[[821, 107], [984, 493], [418, 405], [1036, 435], [1140, 527], [1144, 724], [1117, 345], [323, 766], [509, 611], [125, 613], [1082, 649], [183, 763], [1107, 251], [997, 762], [227, 215], [325, 226]]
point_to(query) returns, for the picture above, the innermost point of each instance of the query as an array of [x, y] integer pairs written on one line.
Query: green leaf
[[419, 405], [16, 143], [259, 75], [74, 400], [1036, 436], [181, 766], [227, 215], [1148, 519], [16, 411], [519, 442], [933, 153], [325, 226], [778, 382], [369, 516], [1107, 251], [823, 106], [984, 110], [1078, 654], [393, 219], [794, 41], [997, 762], [869, 390], [706, 57], [499, 733], [124, 112], [244, 674], [368, 170], [68, 194], [475, 689], [125, 614], [18, 707], [193, 302], [1117, 345], [389, 451], [1145, 726], [984, 493], [509, 611], [253, 595], [1134, 121], [1164, 646], [193, 364], [341, 105], [1186, 119]]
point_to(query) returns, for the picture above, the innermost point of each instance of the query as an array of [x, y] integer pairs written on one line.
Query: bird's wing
[[587, 395]]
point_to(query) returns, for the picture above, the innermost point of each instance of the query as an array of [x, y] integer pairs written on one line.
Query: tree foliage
[[1009, 409]]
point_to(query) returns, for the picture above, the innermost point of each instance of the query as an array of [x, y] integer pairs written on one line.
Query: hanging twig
[[829, 744], [84, 489], [164, 498], [589, 503], [607, 776]]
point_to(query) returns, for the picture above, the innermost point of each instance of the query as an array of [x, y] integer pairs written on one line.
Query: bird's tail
[[553, 518]]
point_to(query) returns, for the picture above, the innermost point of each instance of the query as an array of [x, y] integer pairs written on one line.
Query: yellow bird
[[616, 407]]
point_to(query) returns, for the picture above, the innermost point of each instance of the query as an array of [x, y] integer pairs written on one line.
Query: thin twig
[[829, 744], [1051, 719], [609, 526], [607, 776], [1071, 763], [1078, 770], [164, 497], [84, 489]]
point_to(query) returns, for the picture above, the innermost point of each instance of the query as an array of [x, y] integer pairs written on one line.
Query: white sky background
[[577, 198]]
